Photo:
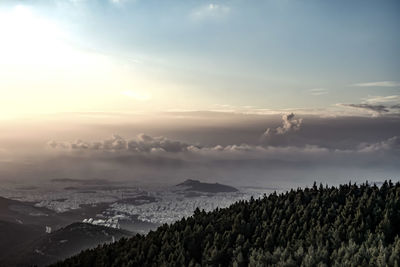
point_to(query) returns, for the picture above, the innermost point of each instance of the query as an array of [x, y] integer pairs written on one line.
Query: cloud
[[210, 11], [374, 108], [383, 99], [148, 145], [160, 151], [328, 148], [378, 84], [392, 143], [141, 144], [318, 91], [289, 124], [378, 105], [214, 146], [58, 145]]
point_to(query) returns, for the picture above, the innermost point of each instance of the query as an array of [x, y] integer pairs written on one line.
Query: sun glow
[[141, 96], [29, 39], [43, 71]]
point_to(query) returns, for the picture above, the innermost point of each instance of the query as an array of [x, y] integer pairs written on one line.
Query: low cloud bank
[[142, 143], [154, 149], [147, 144], [279, 155], [295, 150]]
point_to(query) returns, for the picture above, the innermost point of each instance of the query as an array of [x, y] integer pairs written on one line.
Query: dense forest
[[349, 225]]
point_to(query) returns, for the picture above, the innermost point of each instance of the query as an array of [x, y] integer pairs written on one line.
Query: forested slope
[[349, 225]]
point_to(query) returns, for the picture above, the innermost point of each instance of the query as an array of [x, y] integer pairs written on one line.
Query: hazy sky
[[238, 149], [134, 89], [141, 56]]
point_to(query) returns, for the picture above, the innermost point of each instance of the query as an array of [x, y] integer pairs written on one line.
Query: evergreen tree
[[352, 225]]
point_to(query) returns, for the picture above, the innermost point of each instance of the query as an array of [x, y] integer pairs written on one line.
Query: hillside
[[350, 225], [63, 243], [15, 235], [23, 212], [24, 241]]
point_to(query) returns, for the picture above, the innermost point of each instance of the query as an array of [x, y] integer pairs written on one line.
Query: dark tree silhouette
[[352, 225]]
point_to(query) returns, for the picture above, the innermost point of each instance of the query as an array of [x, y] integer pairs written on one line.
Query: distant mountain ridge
[[196, 185]]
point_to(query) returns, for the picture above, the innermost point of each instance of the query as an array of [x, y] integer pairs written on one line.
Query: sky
[[267, 92], [146, 56]]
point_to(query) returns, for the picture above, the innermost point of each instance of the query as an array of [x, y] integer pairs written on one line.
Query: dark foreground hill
[[14, 235], [346, 226], [49, 248]]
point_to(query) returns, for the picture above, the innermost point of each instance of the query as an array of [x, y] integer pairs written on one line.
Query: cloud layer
[[268, 148], [158, 159], [142, 143], [217, 147], [146, 144]]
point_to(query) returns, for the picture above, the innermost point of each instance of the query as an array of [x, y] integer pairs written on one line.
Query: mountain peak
[[196, 185]]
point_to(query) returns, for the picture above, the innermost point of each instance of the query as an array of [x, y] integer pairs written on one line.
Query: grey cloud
[[238, 164], [148, 158], [147, 144], [60, 145], [308, 153], [374, 108], [391, 144], [142, 143], [115, 143], [289, 124], [223, 147], [161, 146]]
